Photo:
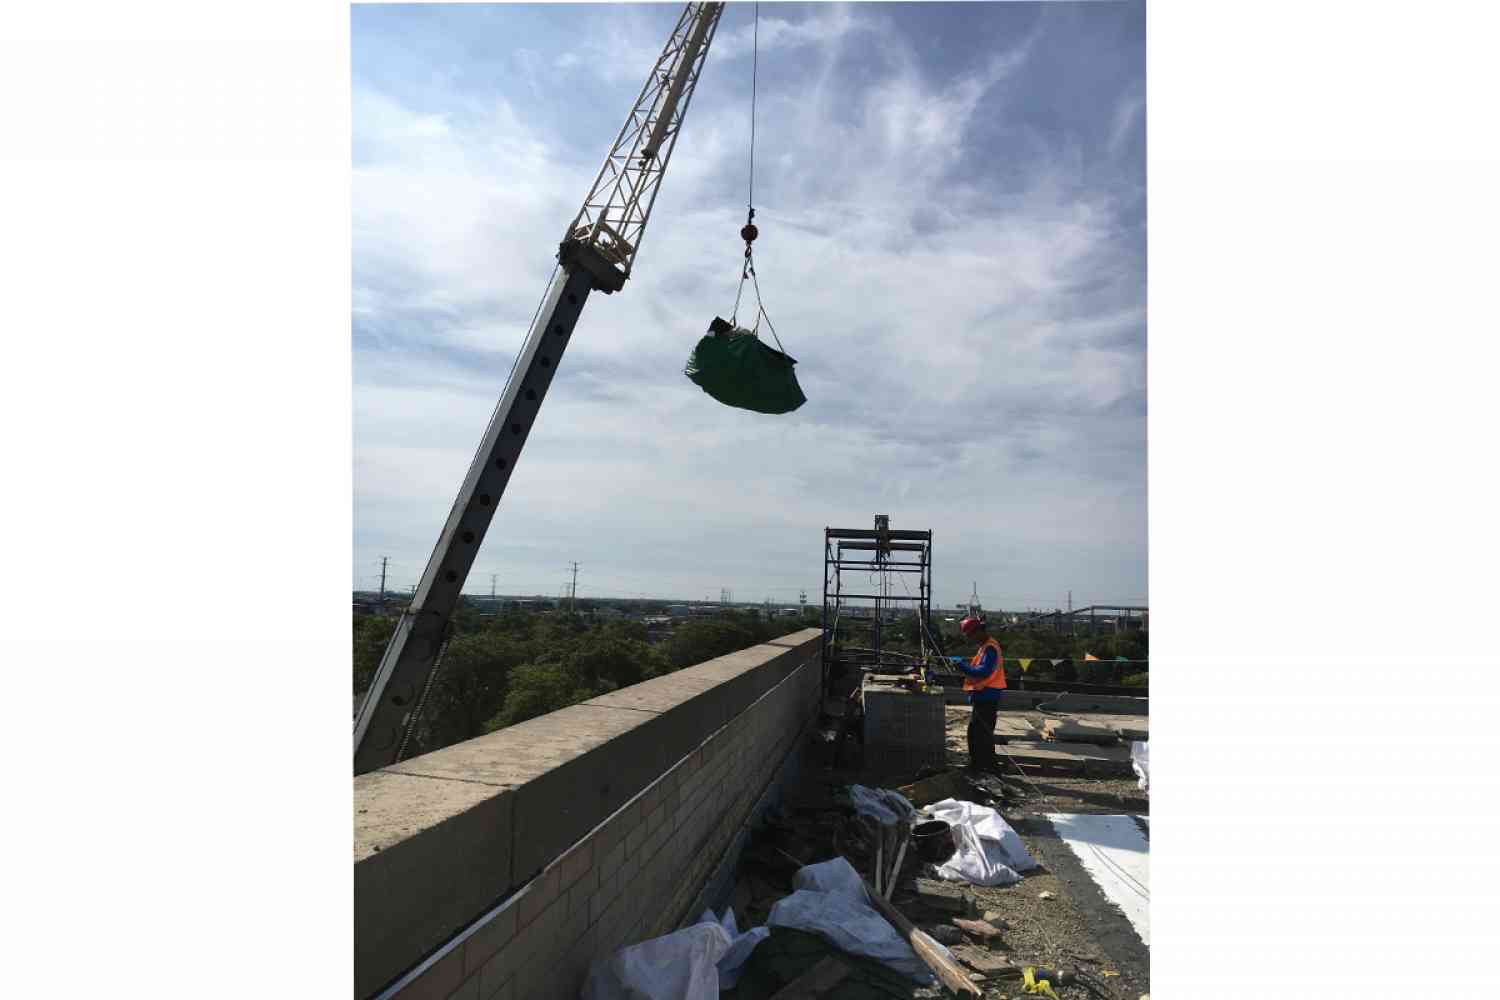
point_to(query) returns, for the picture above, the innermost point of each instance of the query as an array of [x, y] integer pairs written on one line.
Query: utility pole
[[493, 578], [575, 588], [383, 561]]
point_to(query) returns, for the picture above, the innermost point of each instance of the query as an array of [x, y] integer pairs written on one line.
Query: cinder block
[[467, 990], [636, 838], [443, 978], [650, 799], [499, 969], [539, 895], [610, 863], [585, 887], [487, 940], [556, 778], [612, 833], [576, 863], [431, 855]]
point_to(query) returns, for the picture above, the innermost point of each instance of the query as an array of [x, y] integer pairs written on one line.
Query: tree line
[[511, 667], [1042, 646]]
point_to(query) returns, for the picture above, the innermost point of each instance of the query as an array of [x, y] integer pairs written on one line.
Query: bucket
[[933, 841]]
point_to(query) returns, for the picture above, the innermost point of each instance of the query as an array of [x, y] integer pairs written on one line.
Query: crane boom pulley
[[597, 253]]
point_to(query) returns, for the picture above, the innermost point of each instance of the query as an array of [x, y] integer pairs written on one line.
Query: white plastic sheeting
[[882, 804], [1141, 762], [696, 962], [1117, 856], [740, 946], [989, 851], [682, 965], [830, 901]]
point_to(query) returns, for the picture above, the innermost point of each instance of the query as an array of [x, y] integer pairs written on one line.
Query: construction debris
[[978, 928], [947, 785], [928, 950], [985, 961], [941, 896], [1071, 731], [945, 934]]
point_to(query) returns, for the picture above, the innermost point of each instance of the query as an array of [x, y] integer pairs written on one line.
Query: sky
[[952, 209]]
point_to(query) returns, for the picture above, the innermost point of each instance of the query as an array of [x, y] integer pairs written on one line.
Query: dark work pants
[[982, 736]]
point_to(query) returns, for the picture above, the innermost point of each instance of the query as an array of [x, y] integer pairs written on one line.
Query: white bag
[[989, 851], [682, 965], [1141, 762]]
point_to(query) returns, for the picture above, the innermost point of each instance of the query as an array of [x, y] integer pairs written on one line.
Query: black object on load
[[732, 365]]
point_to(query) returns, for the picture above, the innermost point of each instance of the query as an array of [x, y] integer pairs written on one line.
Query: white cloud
[[964, 346], [1127, 113]]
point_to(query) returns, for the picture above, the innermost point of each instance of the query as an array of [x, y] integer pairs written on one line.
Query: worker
[[984, 679]]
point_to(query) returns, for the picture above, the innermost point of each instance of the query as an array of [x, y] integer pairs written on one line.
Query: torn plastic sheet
[[682, 965], [830, 900], [882, 804], [989, 851], [740, 946]]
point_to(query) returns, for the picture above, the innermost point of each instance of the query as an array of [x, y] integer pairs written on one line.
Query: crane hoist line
[[597, 253], [730, 362]]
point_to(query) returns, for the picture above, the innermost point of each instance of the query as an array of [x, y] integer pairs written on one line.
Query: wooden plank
[[977, 928], [1065, 751], [1079, 759], [828, 973], [1069, 731], [934, 789], [985, 961], [928, 950]]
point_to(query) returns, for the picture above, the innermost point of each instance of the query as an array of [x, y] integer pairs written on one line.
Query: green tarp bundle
[[734, 367]]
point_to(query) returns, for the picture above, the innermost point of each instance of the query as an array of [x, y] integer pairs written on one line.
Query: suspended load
[[732, 365]]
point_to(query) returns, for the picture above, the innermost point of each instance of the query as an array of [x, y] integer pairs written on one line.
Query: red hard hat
[[970, 625]]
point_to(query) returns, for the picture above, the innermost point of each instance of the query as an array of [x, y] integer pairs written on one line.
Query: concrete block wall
[[645, 792]]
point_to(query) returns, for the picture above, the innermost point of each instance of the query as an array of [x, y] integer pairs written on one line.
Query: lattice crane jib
[[613, 218], [596, 254]]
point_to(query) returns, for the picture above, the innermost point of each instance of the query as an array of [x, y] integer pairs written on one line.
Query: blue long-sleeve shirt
[[988, 664]]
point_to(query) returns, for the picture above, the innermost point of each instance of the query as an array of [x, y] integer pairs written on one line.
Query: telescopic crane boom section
[[597, 253]]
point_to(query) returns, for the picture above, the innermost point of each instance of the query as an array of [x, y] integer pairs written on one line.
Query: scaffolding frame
[[884, 555]]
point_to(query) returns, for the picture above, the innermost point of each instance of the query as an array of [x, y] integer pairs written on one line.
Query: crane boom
[[597, 253]]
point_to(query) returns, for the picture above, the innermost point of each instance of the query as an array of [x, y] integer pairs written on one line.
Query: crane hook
[[748, 233]]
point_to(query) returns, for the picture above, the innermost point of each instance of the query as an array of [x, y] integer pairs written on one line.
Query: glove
[[958, 660]]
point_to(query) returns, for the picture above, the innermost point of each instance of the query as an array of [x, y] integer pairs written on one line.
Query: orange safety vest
[[994, 680]]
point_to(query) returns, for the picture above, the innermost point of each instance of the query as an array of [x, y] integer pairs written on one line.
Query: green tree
[[702, 640], [372, 633], [536, 689], [472, 685]]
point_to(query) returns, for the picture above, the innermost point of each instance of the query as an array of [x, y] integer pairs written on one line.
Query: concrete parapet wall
[[569, 835]]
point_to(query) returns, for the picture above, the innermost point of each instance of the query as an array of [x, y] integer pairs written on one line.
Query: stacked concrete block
[[905, 731], [650, 826]]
